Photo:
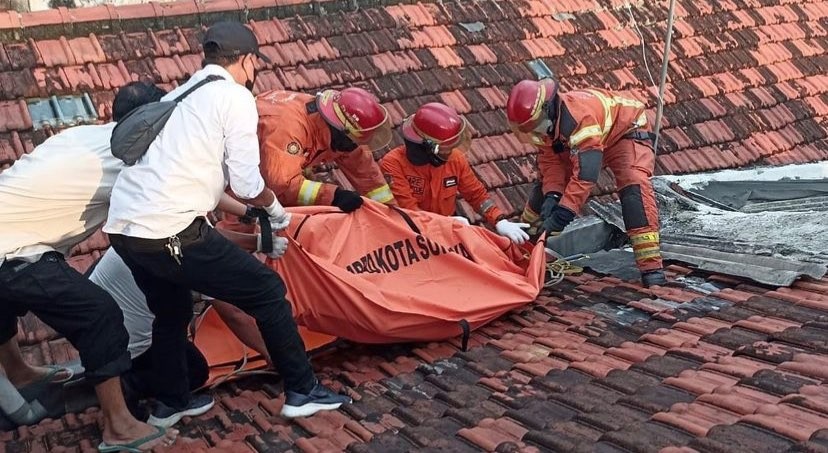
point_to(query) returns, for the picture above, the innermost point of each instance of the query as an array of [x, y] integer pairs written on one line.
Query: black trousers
[[138, 381], [72, 305], [214, 266]]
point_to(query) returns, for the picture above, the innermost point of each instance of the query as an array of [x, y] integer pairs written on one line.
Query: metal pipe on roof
[[664, 65]]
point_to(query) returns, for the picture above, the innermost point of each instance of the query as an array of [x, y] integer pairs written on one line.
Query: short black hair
[[133, 95], [211, 56]]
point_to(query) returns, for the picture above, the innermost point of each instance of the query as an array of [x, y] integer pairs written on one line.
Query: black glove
[[558, 220], [346, 200], [549, 204]]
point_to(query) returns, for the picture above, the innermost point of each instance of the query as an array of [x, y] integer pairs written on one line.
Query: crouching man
[[50, 200]]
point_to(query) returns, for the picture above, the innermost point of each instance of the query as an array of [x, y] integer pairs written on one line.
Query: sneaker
[[652, 278], [320, 398], [164, 416]]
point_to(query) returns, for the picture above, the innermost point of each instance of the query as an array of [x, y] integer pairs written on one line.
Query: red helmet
[[525, 109], [358, 113], [439, 125]]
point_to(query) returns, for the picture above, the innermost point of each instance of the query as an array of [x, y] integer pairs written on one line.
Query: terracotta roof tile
[[696, 418], [16, 115], [17, 84]]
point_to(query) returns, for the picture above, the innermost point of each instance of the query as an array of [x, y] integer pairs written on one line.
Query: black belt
[[187, 236], [190, 235], [17, 264], [641, 135]]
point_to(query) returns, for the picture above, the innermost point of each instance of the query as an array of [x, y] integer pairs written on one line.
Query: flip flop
[[48, 378], [131, 447]]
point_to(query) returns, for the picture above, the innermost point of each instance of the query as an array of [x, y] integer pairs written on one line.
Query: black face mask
[[251, 82], [421, 154], [340, 142]]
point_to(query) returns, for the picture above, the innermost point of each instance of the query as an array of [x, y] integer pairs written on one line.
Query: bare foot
[[23, 376], [127, 434]]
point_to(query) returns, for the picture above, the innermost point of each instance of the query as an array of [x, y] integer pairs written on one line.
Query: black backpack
[[136, 131]]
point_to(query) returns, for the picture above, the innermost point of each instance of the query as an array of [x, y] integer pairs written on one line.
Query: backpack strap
[[204, 81]]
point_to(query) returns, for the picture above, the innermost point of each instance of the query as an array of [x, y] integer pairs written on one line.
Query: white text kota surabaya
[[391, 257]]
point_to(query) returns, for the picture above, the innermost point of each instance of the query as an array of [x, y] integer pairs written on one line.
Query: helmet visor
[[539, 136], [461, 142], [374, 138]]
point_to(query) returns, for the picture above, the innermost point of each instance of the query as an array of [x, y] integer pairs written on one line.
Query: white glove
[[280, 246], [461, 219], [279, 218], [513, 231]]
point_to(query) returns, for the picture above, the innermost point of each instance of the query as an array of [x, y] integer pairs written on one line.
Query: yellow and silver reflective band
[[641, 121], [382, 194], [308, 192], [537, 109], [583, 134], [486, 205], [608, 102], [644, 238], [605, 104], [349, 126], [646, 253], [353, 128]]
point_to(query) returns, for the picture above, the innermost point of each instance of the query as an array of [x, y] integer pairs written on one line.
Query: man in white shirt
[[156, 224], [50, 200], [113, 275]]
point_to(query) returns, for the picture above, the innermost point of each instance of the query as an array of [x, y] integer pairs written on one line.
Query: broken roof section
[[786, 188], [772, 242]]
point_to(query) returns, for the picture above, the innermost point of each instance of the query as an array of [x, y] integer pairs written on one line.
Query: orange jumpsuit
[[434, 189], [596, 129], [295, 139]]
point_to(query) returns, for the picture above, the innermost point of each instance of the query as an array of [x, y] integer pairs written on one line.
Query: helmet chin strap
[[423, 153], [434, 156]]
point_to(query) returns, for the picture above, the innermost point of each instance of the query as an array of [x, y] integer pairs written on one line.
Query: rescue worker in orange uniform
[[577, 133], [428, 171], [299, 133]]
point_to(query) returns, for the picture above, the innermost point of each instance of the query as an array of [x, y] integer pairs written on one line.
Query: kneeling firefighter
[[430, 169]]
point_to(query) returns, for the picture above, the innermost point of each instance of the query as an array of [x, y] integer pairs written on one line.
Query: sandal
[[131, 447], [49, 378]]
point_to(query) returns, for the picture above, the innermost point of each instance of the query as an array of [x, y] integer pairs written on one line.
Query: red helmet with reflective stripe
[[524, 109], [438, 125], [358, 113]]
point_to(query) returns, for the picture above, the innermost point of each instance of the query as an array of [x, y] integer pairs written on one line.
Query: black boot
[[653, 278]]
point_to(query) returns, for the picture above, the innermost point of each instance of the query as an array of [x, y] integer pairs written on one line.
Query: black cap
[[233, 39]]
